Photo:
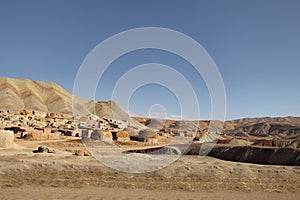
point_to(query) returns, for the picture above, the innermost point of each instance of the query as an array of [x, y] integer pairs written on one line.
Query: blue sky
[[255, 44]]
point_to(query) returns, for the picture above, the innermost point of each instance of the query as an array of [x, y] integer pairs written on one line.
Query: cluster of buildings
[[37, 125], [104, 129]]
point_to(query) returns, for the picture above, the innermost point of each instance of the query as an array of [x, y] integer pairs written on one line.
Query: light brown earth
[[129, 194], [23, 94], [20, 94], [25, 175]]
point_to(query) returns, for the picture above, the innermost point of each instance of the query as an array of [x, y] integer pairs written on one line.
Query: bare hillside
[[24, 94], [19, 94]]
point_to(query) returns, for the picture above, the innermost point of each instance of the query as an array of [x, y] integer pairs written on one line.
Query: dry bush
[[123, 134]]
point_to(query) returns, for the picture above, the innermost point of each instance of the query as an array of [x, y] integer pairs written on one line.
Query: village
[[37, 125]]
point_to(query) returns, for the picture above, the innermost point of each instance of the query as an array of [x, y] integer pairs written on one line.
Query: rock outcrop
[[249, 154]]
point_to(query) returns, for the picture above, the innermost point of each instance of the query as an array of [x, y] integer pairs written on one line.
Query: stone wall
[[6, 139]]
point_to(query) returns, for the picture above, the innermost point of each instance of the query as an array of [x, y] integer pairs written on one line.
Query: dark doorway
[[114, 136]]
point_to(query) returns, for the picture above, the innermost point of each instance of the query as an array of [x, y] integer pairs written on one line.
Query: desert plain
[[28, 175], [45, 151]]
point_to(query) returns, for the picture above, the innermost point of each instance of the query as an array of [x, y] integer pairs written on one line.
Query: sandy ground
[[62, 175], [127, 194]]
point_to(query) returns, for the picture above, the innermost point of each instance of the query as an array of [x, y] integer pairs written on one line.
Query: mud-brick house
[[44, 134]]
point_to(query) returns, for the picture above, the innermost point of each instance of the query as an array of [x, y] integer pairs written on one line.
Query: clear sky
[[255, 44]]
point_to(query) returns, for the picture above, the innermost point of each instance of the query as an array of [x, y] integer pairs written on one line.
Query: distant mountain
[[283, 127], [24, 94], [278, 127], [19, 94], [274, 120]]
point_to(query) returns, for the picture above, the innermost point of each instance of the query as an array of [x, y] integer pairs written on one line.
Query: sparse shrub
[[123, 134]]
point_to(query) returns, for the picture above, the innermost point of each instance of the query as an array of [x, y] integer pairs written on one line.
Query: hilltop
[[24, 94]]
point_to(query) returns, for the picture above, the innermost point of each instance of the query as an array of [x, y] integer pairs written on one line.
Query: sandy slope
[[20, 94]]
